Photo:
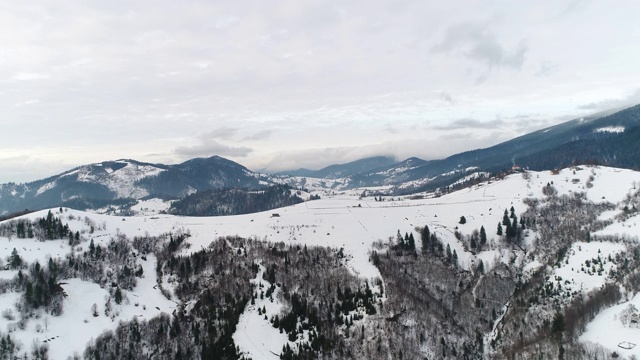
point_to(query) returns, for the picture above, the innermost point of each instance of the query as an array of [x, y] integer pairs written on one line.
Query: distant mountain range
[[609, 139]]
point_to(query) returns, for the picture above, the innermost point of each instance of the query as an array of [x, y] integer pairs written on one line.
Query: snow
[[150, 207], [77, 326], [610, 129], [122, 181], [607, 330], [31, 250], [69, 333], [256, 336], [578, 274], [45, 187]]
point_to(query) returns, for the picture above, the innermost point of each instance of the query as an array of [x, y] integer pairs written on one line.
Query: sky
[[278, 85]]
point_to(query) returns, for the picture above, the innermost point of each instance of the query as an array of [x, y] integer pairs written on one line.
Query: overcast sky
[[280, 85]]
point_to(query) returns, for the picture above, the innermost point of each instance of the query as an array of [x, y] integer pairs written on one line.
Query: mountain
[[608, 139], [337, 171], [123, 181]]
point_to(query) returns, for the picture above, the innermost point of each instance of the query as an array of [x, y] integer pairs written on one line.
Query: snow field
[[608, 330]]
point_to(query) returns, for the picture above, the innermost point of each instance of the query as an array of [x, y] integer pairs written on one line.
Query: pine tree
[[425, 237], [505, 219], [483, 236], [118, 296], [400, 240], [15, 259], [411, 243], [499, 232]]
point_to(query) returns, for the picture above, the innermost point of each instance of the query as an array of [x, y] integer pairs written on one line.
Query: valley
[[361, 235]]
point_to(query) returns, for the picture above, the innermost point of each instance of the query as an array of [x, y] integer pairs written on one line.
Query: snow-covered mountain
[[124, 182], [607, 139], [570, 245]]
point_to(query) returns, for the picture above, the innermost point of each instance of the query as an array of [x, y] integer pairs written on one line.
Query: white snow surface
[[608, 330], [45, 187], [150, 207], [121, 181], [610, 129], [578, 274], [256, 336]]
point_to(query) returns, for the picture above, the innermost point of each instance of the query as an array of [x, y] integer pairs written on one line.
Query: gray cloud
[[224, 133], [210, 147], [260, 135], [478, 42], [446, 97], [613, 104], [546, 68], [575, 6], [471, 124]]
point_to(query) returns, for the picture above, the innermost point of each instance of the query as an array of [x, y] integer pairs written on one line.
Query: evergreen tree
[[15, 261], [400, 240], [425, 237], [463, 220], [411, 243], [505, 219], [499, 232], [557, 325], [483, 236], [118, 296]]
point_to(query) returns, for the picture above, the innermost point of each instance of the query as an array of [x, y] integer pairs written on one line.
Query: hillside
[[572, 232], [121, 183]]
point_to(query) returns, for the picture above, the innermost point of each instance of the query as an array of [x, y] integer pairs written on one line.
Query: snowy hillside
[[341, 220]]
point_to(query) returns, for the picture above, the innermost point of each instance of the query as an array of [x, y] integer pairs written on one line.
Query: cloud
[[613, 104], [575, 6], [546, 68], [446, 97], [224, 133], [260, 135], [29, 76], [210, 147], [471, 124], [477, 42]]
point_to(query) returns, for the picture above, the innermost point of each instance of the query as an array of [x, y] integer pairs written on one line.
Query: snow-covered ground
[[608, 330], [255, 335], [587, 266], [150, 207], [338, 219]]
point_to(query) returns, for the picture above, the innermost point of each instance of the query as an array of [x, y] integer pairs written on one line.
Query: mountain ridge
[[609, 139]]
